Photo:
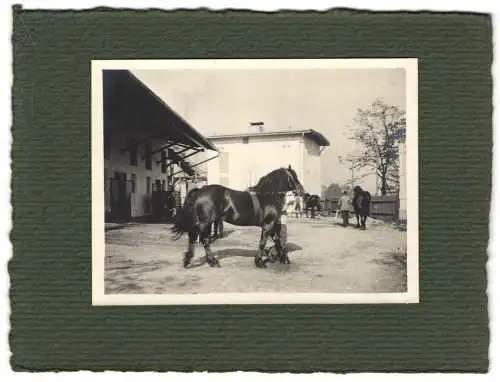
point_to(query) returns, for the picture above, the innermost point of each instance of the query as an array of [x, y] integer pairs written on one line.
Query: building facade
[[148, 148], [244, 158], [134, 174]]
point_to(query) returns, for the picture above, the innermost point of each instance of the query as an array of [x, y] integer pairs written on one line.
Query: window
[[163, 162], [224, 181], [224, 162], [149, 156], [133, 151], [245, 140], [163, 185], [133, 180], [148, 185]]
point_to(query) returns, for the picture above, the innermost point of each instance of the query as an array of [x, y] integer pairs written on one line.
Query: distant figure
[[313, 203], [343, 207], [361, 204], [170, 203], [281, 225], [298, 206]]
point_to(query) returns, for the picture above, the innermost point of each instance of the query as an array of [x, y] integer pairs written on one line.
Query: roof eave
[[317, 137], [200, 140]]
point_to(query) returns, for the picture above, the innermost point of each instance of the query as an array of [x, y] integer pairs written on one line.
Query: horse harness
[[256, 206]]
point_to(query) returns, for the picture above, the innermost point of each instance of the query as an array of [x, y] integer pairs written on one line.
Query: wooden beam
[[197, 164], [196, 151], [170, 144]]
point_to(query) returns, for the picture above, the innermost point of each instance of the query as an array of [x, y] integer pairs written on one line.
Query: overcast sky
[[225, 101]]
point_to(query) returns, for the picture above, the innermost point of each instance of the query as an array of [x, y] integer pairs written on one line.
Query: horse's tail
[[184, 220]]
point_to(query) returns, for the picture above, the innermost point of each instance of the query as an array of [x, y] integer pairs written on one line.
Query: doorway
[[120, 197]]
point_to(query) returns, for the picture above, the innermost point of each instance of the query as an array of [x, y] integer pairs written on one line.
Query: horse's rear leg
[[220, 229], [212, 259], [189, 254]]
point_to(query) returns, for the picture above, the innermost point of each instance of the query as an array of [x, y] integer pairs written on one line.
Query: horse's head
[[294, 182], [280, 180], [357, 190]]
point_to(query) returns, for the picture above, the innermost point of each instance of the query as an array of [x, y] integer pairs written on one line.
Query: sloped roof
[[312, 134], [129, 105]]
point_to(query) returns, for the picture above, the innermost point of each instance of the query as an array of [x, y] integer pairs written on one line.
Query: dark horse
[[311, 202], [361, 204], [217, 225], [260, 208]]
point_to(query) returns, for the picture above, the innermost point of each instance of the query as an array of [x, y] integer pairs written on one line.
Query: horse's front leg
[[212, 259], [357, 221], [363, 222], [259, 261], [280, 241]]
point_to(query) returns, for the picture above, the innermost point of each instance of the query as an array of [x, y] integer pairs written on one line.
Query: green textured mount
[[54, 326]]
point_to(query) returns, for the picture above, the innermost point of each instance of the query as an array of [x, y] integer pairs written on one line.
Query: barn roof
[[129, 105], [312, 134]]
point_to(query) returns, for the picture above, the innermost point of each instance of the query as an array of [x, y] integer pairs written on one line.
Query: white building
[[244, 158], [147, 146]]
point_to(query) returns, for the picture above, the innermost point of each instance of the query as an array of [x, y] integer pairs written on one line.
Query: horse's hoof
[[259, 263], [213, 262], [187, 259], [284, 259]]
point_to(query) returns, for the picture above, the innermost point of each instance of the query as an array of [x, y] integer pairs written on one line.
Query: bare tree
[[377, 131], [331, 191]]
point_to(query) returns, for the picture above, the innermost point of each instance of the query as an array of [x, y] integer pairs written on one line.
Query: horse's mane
[[266, 184]]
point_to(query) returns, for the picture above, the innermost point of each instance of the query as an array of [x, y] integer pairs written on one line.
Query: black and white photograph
[[242, 181]]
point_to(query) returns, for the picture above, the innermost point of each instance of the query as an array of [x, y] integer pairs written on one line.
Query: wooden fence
[[381, 207]]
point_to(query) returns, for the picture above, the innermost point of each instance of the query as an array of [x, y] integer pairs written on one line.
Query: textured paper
[[53, 323]]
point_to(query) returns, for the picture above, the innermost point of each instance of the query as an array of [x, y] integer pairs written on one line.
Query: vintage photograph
[[255, 181]]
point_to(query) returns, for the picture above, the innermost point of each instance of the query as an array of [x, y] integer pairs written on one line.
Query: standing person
[[343, 206], [281, 226], [298, 206]]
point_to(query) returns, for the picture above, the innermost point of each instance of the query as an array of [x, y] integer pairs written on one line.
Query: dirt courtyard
[[326, 257]]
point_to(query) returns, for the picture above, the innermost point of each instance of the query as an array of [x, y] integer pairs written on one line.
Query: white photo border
[[99, 298]]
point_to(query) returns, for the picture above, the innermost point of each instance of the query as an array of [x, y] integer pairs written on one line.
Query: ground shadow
[[226, 234], [352, 225], [238, 252]]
